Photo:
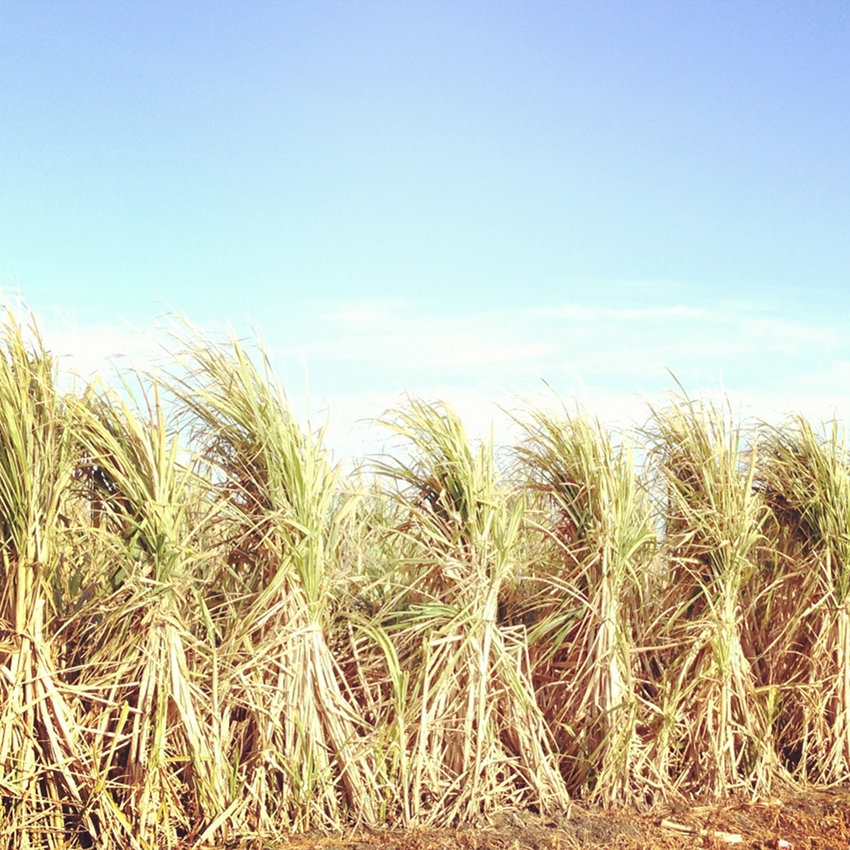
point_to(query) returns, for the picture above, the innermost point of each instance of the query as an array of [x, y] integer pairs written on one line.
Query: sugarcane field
[[211, 635]]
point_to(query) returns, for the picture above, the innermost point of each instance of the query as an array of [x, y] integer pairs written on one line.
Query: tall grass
[[717, 736], [149, 505], [208, 634], [310, 760], [42, 758], [588, 608], [806, 479], [480, 738]]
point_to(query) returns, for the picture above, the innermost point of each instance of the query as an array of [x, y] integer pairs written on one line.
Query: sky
[[464, 200]]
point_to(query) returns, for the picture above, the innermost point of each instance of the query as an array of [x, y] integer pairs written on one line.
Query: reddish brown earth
[[813, 820]]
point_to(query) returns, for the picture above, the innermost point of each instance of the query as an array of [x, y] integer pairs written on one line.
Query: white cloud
[[607, 340], [579, 313], [362, 358], [398, 332], [612, 359], [99, 349]]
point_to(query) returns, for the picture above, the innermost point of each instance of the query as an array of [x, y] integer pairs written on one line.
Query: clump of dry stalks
[[207, 634]]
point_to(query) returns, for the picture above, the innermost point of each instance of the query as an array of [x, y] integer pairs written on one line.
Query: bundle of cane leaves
[[42, 759], [304, 743], [152, 659], [806, 480], [369, 661], [716, 730], [478, 739], [598, 524], [777, 640]]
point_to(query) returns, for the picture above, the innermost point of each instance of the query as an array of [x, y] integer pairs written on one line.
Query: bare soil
[[812, 820]]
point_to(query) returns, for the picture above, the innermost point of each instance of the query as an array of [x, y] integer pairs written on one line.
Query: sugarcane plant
[[209, 635], [152, 655], [717, 738], [806, 480], [478, 738], [42, 756], [304, 744], [599, 540]]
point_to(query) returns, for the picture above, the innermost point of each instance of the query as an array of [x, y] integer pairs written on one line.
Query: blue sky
[[456, 199]]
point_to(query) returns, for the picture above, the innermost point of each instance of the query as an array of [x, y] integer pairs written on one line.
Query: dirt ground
[[814, 820]]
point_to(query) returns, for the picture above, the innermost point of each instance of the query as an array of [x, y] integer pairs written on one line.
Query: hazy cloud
[[360, 358]]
